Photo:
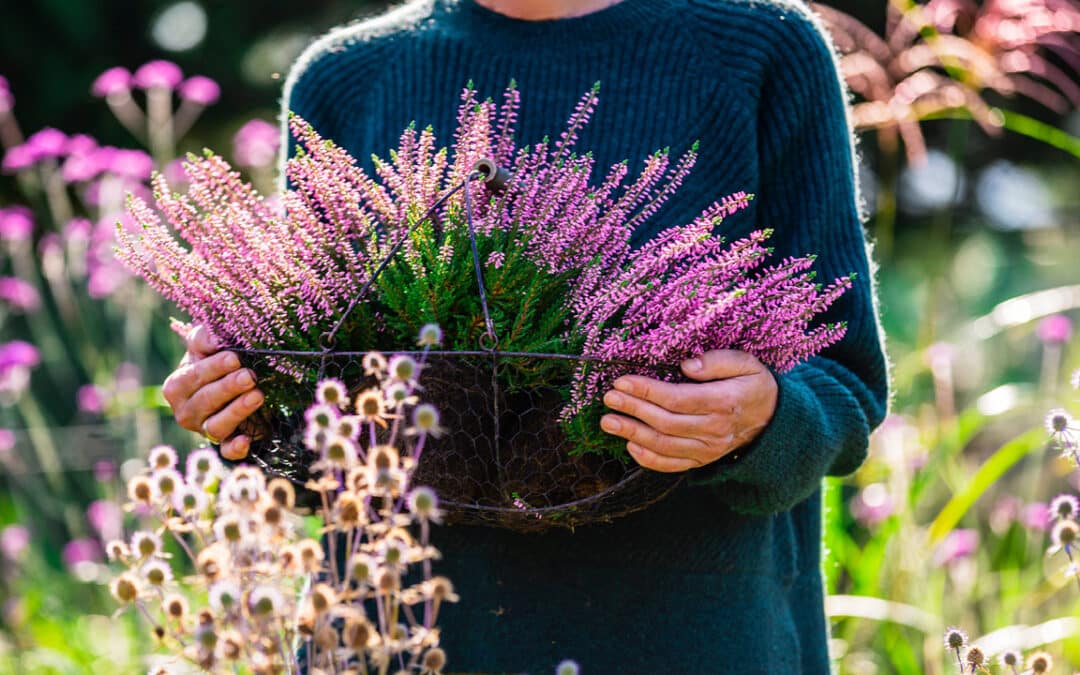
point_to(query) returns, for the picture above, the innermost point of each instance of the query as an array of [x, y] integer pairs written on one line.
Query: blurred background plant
[[968, 122]]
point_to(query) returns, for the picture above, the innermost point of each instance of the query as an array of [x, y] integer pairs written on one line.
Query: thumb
[[202, 342], [719, 364]]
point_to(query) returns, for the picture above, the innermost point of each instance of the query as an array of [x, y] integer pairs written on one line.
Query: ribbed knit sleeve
[[827, 406]]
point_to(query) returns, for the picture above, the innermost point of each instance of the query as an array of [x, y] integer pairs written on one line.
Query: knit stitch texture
[[723, 576]]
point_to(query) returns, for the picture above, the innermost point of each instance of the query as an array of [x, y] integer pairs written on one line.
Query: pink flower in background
[[48, 142], [176, 175], [132, 164], [18, 354], [90, 399], [201, 90], [18, 158], [82, 550], [957, 545], [80, 144], [1004, 513], [1055, 329], [112, 81], [7, 440], [18, 294], [14, 540], [1036, 516], [7, 99], [256, 144], [106, 518], [163, 74], [872, 505], [16, 223], [104, 470]]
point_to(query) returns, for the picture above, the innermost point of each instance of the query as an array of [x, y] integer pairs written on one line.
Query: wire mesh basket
[[506, 458]]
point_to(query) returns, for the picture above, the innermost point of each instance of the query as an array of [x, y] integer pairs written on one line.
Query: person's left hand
[[689, 425]]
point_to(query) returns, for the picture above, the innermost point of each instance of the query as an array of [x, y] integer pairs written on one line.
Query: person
[[725, 574]]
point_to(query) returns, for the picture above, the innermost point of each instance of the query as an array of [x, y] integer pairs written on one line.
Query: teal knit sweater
[[725, 575]]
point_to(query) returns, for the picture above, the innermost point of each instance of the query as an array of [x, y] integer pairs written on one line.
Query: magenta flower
[[1055, 329], [872, 505], [7, 440], [19, 295], [201, 90], [16, 224], [256, 144], [134, 164], [957, 544], [1036, 516], [48, 142], [18, 158], [79, 168], [175, 174], [82, 550], [7, 99], [14, 540], [112, 81], [90, 399], [18, 354], [158, 74], [80, 144], [104, 470], [106, 518]]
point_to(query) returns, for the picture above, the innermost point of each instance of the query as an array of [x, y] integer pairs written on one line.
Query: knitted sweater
[[725, 574]]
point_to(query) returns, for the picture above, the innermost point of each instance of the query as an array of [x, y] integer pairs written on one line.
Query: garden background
[[976, 238]]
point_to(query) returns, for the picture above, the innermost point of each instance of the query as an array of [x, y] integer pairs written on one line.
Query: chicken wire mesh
[[507, 457]]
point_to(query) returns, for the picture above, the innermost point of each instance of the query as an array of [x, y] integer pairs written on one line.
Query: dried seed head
[[331, 392], [357, 634], [311, 555], [1010, 658], [424, 502], [289, 559], [975, 657], [167, 481], [955, 638], [1065, 507], [374, 364], [323, 598], [190, 502], [567, 667], [157, 573], [206, 635], [370, 405], [282, 492], [321, 416], [388, 581], [125, 588], [383, 458], [159, 633], [425, 419], [434, 660], [404, 367], [1040, 662], [141, 490], [176, 606], [224, 595], [339, 452], [348, 426], [265, 601], [442, 589], [232, 645], [305, 621], [273, 515], [361, 567], [229, 528], [430, 335], [117, 550], [397, 393], [350, 508], [326, 638], [145, 544], [212, 561], [1064, 534], [162, 457], [1058, 421]]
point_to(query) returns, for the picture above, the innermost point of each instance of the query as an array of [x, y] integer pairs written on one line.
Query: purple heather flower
[[106, 518], [18, 354], [90, 399], [1064, 506], [112, 81], [104, 470], [18, 294], [81, 551], [164, 74], [14, 539], [201, 90], [132, 164], [18, 158], [256, 144], [1036, 516], [16, 223], [1055, 329], [957, 544], [48, 142]]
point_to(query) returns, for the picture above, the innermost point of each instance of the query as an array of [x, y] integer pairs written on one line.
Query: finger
[[664, 421], [222, 424], [187, 380], [719, 364], [687, 399], [235, 448], [202, 342], [646, 436], [651, 460]]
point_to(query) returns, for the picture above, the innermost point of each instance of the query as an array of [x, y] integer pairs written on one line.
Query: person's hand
[[211, 395], [674, 427]]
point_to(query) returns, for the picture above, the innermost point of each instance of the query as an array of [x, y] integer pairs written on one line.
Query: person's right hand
[[210, 386]]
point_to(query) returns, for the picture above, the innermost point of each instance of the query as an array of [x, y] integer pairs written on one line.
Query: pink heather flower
[[201, 90], [104, 470], [18, 354], [79, 144], [48, 142], [18, 294], [14, 540], [872, 505], [175, 173], [957, 544], [112, 81], [1055, 329], [134, 164], [90, 399], [18, 158], [81, 167], [81, 551], [164, 74], [16, 224], [256, 144], [106, 518], [1036, 516]]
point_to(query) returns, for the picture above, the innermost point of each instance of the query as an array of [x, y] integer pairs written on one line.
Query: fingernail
[[693, 365], [244, 378], [624, 385], [613, 399], [253, 399], [232, 361], [610, 424]]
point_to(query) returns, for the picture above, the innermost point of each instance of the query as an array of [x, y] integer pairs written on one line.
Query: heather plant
[[249, 585], [539, 264]]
